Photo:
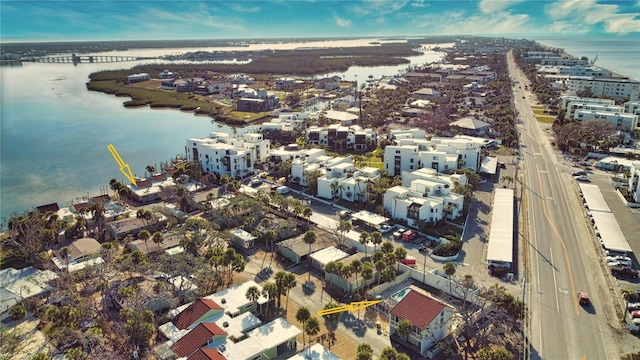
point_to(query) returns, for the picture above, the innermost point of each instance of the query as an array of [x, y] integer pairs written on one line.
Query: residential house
[[257, 101], [430, 325], [80, 254], [338, 136], [328, 84], [424, 201], [296, 250], [471, 126], [315, 352], [134, 78], [166, 74], [426, 94], [17, 285], [329, 185], [242, 239], [322, 257]]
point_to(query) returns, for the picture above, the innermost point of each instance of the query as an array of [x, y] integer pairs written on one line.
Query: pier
[[77, 59]]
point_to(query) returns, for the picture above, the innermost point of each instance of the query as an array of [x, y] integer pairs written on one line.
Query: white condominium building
[[621, 121], [223, 154], [615, 87]]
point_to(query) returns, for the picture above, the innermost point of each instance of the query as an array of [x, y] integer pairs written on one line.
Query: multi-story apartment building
[[223, 154], [632, 107], [343, 137], [575, 106], [336, 172], [566, 99], [578, 70], [615, 87], [621, 121]]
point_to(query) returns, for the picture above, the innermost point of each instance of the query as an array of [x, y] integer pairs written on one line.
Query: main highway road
[[562, 256]]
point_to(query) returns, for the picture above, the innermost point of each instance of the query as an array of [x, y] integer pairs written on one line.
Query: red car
[[625, 271], [635, 314]]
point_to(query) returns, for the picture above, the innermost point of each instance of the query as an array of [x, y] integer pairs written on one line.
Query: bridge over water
[[76, 59]]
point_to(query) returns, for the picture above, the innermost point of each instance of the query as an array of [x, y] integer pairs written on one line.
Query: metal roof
[[610, 231], [593, 198], [501, 233]]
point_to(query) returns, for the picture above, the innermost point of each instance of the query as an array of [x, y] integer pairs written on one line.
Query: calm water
[[619, 54]]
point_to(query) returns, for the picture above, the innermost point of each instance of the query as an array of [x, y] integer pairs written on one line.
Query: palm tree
[[290, 283], [312, 327], [157, 238], [356, 267], [364, 240], [376, 239], [306, 213], [253, 294], [380, 265], [270, 291], [364, 352], [331, 320], [450, 270], [387, 247], [144, 235], [302, 315], [309, 238]]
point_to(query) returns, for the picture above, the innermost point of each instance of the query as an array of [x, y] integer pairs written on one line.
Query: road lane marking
[[555, 282], [564, 247]]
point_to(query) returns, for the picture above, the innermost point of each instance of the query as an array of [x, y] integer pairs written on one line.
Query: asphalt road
[[561, 252]]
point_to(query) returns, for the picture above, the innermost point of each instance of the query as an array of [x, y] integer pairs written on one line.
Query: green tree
[[490, 353], [331, 320], [376, 239], [311, 327], [40, 356], [364, 240], [302, 315], [75, 353], [140, 327], [450, 270], [310, 238], [17, 312], [404, 329], [270, 291], [364, 352], [253, 294]]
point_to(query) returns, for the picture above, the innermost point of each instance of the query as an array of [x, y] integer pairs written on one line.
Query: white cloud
[[592, 13], [457, 22], [492, 6], [241, 7], [342, 22], [379, 7]]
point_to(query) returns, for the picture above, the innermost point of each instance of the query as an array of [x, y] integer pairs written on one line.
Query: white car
[[633, 306], [398, 233], [385, 228], [582, 178], [622, 260]]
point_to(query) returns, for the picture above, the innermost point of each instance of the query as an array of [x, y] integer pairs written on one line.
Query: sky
[[83, 20]]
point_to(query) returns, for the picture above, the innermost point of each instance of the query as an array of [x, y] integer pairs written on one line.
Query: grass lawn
[[545, 119]]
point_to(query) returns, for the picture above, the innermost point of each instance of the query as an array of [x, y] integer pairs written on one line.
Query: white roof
[[329, 254], [610, 231], [261, 339], [239, 233], [370, 218], [501, 233], [340, 115], [489, 165], [16, 285], [316, 352], [235, 297], [593, 198]]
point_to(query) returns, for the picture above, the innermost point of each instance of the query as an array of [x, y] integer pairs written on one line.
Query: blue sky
[[233, 19]]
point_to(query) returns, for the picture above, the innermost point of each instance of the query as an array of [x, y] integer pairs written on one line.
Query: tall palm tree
[[312, 327], [380, 265], [309, 238], [364, 240], [144, 235], [302, 315], [450, 270], [306, 213], [331, 320], [290, 283], [270, 291], [376, 239], [253, 294], [157, 238], [356, 267]]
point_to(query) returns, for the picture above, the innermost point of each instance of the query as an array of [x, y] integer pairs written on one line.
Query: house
[[81, 253], [17, 285], [166, 74], [471, 126], [426, 94], [430, 325], [315, 352], [134, 78], [328, 84], [276, 339], [207, 354], [131, 226], [296, 250], [425, 201], [346, 137], [322, 257], [242, 239], [204, 334]]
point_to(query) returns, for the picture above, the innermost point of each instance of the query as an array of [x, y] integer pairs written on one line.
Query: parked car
[[582, 178], [398, 233], [583, 298], [633, 306], [255, 182], [409, 235], [621, 260], [385, 228], [624, 271], [635, 314], [502, 165], [409, 261], [579, 173]]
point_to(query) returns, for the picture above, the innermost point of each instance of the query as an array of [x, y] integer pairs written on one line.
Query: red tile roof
[[418, 308], [79, 206], [101, 198], [143, 183], [207, 354], [49, 207], [196, 338], [159, 177], [193, 312]]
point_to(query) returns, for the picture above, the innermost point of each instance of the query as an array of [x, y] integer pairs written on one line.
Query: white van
[[282, 189]]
